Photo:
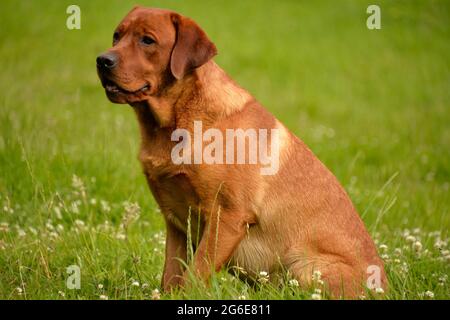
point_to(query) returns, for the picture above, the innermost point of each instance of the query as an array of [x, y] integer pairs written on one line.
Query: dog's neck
[[217, 94], [207, 94]]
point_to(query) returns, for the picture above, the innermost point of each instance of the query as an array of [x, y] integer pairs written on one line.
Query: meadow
[[373, 105]]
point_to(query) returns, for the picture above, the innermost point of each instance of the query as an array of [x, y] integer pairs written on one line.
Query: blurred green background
[[372, 104]]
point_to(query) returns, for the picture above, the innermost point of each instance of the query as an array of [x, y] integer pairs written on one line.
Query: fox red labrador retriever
[[295, 217]]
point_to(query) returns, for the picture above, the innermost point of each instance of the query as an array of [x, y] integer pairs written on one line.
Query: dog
[[298, 220]]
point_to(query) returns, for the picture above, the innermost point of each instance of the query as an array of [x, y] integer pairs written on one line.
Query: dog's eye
[[147, 40], [116, 37]]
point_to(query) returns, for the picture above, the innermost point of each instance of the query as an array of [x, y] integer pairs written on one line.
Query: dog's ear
[[192, 47]]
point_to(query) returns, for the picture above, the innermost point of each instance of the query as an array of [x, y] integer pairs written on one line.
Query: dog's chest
[[155, 160], [171, 188]]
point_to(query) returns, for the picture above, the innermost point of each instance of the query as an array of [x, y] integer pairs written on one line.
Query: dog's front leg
[[176, 252], [221, 236]]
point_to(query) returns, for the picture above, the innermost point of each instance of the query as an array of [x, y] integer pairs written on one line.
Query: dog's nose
[[107, 60]]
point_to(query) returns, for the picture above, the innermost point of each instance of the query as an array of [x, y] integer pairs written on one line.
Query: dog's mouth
[[112, 87]]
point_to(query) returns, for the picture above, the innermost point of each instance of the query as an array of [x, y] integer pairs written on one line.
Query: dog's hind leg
[[333, 276]]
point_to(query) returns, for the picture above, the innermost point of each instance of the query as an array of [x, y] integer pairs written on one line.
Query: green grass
[[373, 106]]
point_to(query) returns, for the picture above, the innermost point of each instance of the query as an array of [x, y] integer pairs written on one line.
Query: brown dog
[[298, 219]]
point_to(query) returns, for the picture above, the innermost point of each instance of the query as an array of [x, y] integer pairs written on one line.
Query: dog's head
[[151, 49]]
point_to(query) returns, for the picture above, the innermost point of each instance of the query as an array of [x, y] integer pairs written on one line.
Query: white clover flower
[[385, 256], [121, 236], [317, 275], [417, 246], [93, 201], [19, 290], [104, 227], [406, 233], [145, 285], [21, 233], [79, 223], [429, 294], [155, 294], [7, 208], [242, 297], [383, 247], [362, 297], [293, 283], [439, 244], [316, 296], [53, 235], [135, 284], [435, 234], [318, 291], [74, 208], [379, 290], [103, 297], [100, 286], [62, 294], [105, 206], [78, 185], [398, 251], [410, 239], [49, 226], [263, 277], [404, 268], [263, 274]]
